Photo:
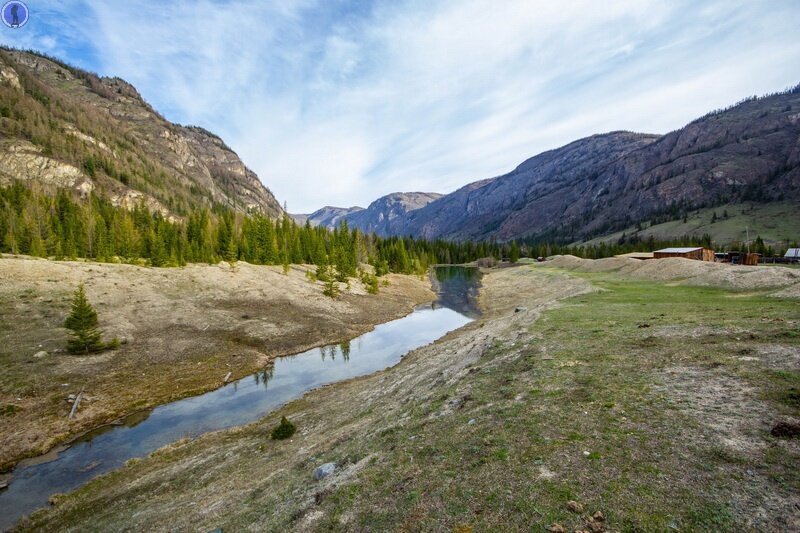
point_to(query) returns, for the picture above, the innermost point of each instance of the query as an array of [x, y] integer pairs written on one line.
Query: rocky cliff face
[[749, 152], [327, 217], [386, 215], [65, 127]]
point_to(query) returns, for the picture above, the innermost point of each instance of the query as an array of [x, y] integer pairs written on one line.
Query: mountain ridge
[[65, 127], [598, 184]]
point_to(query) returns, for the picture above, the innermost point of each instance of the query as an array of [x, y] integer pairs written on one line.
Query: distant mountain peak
[[606, 182]]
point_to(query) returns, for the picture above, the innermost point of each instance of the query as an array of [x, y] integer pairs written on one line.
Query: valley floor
[[643, 390], [184, 329]]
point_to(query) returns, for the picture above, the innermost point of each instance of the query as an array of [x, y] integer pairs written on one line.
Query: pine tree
[[85, 336], [331, 283], [284, 430], [513, 255]]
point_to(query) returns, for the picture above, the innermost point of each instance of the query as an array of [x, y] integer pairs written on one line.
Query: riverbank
[[185, 330], [651, 401]]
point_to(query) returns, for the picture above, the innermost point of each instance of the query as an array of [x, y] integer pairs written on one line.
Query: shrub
[[284, 430]]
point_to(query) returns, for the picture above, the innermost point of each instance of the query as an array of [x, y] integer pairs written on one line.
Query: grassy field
[[774, 223], [619, 400], [651, 402]]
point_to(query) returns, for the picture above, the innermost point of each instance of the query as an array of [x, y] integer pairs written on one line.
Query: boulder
[[324, 471]]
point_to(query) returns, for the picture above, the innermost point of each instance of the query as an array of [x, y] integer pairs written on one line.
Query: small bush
[[9, 409], [284, 430]]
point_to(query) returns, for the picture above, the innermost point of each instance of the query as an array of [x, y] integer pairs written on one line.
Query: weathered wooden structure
[[697, 253], [637, 255]]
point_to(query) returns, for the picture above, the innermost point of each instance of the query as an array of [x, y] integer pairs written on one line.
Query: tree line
[[62, 225]]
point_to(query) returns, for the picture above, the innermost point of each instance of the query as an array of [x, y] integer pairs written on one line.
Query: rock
[[599, 516], [471, 422], [520, 309], [574, 506], [40, 354], [786, 429], [324, 471], [595, 527], [557, 528]]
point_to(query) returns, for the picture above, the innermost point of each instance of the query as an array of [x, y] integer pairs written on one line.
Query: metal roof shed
[[698, 253]]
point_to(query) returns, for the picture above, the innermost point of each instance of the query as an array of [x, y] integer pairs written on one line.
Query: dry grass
[[185, 330], [580, 397]]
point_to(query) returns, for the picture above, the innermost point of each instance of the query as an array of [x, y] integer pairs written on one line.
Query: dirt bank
[[329, 418], [689, 272], [185, 330], [560, 392]]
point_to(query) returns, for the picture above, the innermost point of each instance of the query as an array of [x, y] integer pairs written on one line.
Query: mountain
[[599, 184], [328, 216], [384, 216], [64, 127]]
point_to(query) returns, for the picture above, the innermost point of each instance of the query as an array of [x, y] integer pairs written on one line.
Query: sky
[[338, 103]]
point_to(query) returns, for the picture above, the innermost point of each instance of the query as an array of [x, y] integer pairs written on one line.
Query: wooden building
[[636, 255], [699, 253], [742, 258]]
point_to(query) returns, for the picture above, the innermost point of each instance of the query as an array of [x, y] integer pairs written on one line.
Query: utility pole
[[747, 233]]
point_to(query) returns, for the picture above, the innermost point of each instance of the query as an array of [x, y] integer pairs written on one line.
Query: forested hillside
[[749, 152], [63, 127], [64, 226]]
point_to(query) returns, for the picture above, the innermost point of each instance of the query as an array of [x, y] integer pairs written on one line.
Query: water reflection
[[242, 401]]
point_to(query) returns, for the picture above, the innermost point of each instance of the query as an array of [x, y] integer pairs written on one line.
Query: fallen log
[[227, 377], [76, 403]]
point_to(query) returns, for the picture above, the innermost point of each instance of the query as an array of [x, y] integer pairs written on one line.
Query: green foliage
[[284, 430], [513, 254], [82, 320], [370, 281], [330, 280]]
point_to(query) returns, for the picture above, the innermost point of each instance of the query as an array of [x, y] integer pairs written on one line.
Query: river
[[243, 401]]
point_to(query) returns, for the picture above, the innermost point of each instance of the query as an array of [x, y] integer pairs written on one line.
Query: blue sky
[[337, 103]]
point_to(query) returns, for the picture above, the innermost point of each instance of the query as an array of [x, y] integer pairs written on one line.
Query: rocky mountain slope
[[593, 186], [64, 127], [385, 215], [328, 216]]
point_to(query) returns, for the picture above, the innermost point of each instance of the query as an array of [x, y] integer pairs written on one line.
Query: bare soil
[[690, 272], [556, 394], [184, 330]]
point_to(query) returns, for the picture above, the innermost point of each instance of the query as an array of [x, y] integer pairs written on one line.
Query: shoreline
[[398, 299]]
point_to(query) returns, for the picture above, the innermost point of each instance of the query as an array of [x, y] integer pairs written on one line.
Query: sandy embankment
[[689, 272], [186, 329]]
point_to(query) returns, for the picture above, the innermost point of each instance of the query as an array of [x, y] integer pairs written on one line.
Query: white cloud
[[337, 103]]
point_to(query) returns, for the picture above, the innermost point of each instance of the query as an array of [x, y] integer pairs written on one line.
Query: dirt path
[[184, 331]]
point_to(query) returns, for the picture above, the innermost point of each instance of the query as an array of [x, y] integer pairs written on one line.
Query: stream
[[240, 402]]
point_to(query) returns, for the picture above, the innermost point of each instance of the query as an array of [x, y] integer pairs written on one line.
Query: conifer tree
[[82, 320], [513, 254], [331, 288]]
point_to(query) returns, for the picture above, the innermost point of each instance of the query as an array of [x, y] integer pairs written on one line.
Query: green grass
[[775, 223], [578, 405], [591, 416]]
